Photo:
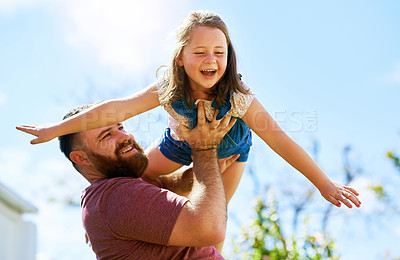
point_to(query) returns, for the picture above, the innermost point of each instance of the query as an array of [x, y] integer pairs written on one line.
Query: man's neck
[[92, 175]]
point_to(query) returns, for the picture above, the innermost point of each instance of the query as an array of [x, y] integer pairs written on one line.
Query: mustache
[[129, 142]]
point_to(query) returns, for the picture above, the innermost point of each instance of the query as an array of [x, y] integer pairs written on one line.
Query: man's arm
[[181, 181], [202, 220]]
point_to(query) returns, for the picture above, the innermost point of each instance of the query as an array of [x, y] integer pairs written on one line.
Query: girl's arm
[[106, 113], [258, 119]]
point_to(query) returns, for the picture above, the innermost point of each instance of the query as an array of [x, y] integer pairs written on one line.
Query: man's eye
[[105, 136]]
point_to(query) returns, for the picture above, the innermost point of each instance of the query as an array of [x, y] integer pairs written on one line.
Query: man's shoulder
[[108, 183], [117, 184]]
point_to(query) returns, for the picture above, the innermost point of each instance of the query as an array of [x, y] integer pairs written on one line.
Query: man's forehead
[[90, 133], [94, 133]]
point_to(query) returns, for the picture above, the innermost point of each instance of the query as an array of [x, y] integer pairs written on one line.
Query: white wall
[[17, 236]]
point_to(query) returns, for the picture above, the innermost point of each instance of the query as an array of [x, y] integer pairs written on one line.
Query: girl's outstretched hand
[[43, 132], [336, 193]]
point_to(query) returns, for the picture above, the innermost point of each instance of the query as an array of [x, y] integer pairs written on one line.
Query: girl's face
[[204, 58]]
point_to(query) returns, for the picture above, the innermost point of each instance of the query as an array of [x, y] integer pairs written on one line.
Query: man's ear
[[79, 157]]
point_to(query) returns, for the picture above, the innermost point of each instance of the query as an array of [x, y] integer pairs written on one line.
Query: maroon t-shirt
[[128, 218]]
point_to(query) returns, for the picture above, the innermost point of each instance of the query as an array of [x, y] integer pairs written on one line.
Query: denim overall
[[236, 141]]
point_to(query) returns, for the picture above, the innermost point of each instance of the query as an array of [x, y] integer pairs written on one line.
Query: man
[[128, 216]]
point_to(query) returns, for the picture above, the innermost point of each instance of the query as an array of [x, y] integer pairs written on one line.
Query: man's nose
[[123, 135]]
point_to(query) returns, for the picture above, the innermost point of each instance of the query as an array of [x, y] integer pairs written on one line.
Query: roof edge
[[15, 202]]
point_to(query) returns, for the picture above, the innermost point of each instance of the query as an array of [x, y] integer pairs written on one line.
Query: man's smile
[[127, 149]]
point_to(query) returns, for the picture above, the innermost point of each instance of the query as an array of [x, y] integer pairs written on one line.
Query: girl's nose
[[210, 58]]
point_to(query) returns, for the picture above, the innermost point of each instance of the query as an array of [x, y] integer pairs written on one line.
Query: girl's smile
[[204, 59]]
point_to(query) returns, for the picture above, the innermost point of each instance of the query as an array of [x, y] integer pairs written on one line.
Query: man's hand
[[207, 135], [202, 220]]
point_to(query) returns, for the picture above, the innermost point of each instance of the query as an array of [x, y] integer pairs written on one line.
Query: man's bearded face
[[122, 165]]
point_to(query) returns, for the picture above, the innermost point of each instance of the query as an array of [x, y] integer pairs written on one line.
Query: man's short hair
[[67, 141]]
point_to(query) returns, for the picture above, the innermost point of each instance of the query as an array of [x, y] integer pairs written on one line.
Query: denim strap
[[182, 107]]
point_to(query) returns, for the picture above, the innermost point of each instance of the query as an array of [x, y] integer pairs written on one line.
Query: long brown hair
[[176, 78]]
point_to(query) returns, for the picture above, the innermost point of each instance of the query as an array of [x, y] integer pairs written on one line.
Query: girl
[[203, 69]]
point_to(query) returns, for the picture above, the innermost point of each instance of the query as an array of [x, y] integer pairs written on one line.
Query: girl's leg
[[158, 163], [231, 177]]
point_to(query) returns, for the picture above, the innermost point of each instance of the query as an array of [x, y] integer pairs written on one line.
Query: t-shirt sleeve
[[174, 117], [241, 102], [161, 89], [141, 211]]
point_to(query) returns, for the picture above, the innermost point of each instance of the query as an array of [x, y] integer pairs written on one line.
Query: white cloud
[[369, 201], [3, 99], [394, 75], [10, 6], [61, 234], [127, 36], [13, 163]]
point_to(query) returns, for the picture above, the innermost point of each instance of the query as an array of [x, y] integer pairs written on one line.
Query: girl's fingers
[[27, 130], [25, 126], [346, 197], [346, 202], [22, 127], [334, 201], [35, 141], [352, 190], [38, 131], [352, 198], [226, 162], [342, 196], [232, 159]]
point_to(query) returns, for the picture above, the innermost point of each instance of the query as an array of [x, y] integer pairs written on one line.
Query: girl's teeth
[[208, 72]]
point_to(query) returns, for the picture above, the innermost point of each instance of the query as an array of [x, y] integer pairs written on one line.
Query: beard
[[121, 166]]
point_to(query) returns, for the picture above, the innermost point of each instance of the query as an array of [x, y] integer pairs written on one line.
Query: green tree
[[395, 159], [268, 235], [265, 239]]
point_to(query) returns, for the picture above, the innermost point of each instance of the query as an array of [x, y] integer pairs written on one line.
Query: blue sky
[[325, 70]]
